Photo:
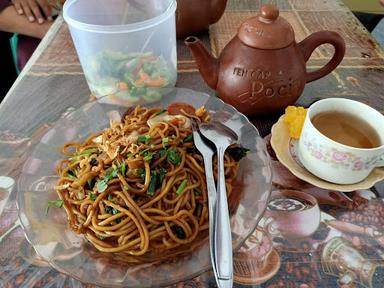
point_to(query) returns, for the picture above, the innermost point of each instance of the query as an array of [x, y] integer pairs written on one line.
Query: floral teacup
[[333, 161]]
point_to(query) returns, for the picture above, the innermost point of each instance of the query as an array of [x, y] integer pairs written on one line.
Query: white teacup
[[333, 161]]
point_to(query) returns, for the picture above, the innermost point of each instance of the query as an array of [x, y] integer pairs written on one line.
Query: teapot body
[[262, 69], [260, 81], [196, 16]]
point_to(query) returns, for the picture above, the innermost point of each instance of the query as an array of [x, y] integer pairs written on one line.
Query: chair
[[7, 68]]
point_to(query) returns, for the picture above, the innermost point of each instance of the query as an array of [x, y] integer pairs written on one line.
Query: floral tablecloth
[[347, 247]]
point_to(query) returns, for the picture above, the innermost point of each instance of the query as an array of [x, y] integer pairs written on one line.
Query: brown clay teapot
[[262, 69], [195, 16]]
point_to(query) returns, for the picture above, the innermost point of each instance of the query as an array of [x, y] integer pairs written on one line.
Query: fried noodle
[[139, 186]]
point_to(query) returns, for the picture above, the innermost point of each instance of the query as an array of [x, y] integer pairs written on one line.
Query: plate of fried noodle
[[116, 196]]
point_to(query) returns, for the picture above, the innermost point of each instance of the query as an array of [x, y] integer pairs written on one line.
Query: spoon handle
[[223, 238]]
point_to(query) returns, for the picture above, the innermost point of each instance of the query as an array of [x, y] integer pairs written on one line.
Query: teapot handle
[[309, 44]]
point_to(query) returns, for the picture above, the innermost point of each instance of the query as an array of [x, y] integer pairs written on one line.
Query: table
[[351, 226]]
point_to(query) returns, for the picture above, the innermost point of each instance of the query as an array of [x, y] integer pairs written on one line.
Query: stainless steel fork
[[207, 151]]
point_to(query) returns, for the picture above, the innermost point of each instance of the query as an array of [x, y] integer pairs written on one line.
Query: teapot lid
[[266, 30]]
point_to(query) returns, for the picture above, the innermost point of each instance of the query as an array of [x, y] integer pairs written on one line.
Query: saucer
[[285, 149], [247, 273]]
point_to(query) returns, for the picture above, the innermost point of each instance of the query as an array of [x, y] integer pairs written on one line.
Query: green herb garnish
[[111, 210], [115, 164], [58, 203], [237, 153], [161, 175], [152, 185], [86, 152], [71, 173], [114, 173], [93, 162], [165, 141], [111, 174], [188, 138], [141, 173], [179, 232], [110, 197], [163, 152], [144, 139], [173, 157], [101, 186], [181, 187], [130, 155], [161, 112], [142, 152], [90, 183], [92, 196], [123, 168], [148, 156], [157, 178]]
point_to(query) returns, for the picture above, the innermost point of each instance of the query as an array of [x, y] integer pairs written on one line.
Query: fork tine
[[195, 130], [196, 135], [193, 124], [196, 124]]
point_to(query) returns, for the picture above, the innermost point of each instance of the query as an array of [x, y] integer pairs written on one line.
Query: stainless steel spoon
[[222, 137]]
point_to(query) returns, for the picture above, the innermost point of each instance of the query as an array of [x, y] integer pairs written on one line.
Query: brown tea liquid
[[346, 129]]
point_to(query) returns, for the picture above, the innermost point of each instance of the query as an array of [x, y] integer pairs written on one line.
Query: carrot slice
[[122, 86], [155, 82]]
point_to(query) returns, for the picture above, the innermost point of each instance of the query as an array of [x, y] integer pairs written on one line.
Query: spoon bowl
[[216, 131]]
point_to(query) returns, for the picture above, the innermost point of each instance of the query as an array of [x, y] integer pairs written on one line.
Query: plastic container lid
[[266, 30], [69, 14]]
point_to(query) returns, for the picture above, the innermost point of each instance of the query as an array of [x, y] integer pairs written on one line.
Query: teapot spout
[[206, 63]]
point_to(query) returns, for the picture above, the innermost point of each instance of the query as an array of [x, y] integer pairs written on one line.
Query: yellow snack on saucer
[[294, 117]]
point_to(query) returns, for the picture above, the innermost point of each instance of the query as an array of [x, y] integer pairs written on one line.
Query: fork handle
[[211, 187], [223, 238]]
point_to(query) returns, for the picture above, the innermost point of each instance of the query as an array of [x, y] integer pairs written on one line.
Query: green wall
[[370, 6]]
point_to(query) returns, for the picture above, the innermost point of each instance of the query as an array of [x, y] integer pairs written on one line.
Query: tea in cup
[[342, 140]]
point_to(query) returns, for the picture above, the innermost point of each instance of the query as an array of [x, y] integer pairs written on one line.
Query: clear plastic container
[[127, 48]]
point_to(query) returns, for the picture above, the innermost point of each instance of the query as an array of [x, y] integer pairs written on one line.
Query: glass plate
[[73, 255]]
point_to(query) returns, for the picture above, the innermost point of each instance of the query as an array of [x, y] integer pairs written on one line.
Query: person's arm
[[39, 10], [11, 21]]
